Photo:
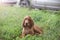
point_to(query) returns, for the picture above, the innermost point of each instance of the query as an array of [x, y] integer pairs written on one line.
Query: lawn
[[11, 23]]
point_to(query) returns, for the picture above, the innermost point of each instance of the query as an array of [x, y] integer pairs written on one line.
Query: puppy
[[29, 27]]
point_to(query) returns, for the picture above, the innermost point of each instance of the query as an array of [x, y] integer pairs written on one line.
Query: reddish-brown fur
[[29, 27]]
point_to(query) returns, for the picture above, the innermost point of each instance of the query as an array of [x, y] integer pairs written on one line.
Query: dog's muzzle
[[26, 22]]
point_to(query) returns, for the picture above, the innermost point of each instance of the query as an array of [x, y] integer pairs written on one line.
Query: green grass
[[11, 23]]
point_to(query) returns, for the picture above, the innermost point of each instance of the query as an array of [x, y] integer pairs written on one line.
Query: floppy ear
[[31, 22]]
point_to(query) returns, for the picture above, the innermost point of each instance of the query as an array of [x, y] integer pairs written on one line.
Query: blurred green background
[[11, 23]]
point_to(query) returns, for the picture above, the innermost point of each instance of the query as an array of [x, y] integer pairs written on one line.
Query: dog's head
[[28, 22]]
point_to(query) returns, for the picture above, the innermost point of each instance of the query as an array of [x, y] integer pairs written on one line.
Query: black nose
[[26, 23]]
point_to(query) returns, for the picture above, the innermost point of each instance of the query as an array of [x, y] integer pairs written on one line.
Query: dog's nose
[[26, 23]]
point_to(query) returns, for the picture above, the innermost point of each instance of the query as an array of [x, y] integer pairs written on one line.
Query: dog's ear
[[31, 22]]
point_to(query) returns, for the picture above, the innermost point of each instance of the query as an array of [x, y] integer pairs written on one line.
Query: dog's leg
[[37, 30], [23, 33]]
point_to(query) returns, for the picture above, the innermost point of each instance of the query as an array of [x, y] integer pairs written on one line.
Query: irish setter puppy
[[29, 27]]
